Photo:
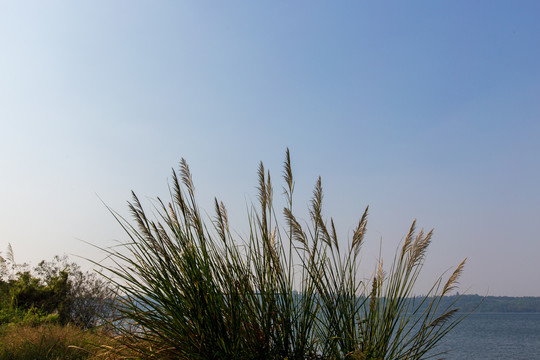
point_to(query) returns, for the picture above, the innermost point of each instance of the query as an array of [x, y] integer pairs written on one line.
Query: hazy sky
[[423, 109]]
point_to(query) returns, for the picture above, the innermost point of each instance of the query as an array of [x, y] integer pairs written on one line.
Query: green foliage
[[193, 291], [44, 311], [31, 316], [28, 292], [27, 297], [54, 291]]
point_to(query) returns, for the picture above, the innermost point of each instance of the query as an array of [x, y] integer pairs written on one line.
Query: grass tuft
[[190, 290]]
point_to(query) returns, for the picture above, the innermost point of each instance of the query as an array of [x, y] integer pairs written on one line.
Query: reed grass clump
[[189, 289]]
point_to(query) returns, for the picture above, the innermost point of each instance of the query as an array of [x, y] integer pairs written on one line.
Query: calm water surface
[[495, 336]]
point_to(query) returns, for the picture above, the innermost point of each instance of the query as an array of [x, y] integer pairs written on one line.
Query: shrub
[[54, 291], [192, 291], [88, 299]]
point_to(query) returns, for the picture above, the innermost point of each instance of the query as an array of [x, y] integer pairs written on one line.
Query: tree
[[58, 288]]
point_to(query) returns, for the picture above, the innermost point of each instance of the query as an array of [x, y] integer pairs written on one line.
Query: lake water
[[495, 336]]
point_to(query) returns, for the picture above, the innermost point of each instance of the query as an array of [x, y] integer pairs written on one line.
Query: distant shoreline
[[495, 304]]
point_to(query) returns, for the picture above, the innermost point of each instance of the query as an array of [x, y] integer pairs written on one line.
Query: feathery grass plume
[[359, 233], [221, 222], [452, 281], [407, 244], [9, 254], [188, 289], [288, 177]]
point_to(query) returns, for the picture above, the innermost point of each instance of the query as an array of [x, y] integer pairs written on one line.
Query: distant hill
[[468, 303]]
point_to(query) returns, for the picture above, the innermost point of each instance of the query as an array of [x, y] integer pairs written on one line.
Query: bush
[[88, 299], [54, 291], [192, 291]]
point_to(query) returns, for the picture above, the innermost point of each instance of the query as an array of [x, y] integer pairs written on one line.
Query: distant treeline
[[480, 303]]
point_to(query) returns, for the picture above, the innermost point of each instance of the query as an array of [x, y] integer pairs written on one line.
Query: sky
[[422, 110]]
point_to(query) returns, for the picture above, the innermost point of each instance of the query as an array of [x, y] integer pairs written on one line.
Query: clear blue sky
[[427, 110]]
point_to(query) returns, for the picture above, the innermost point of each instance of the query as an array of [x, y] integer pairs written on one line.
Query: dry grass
[[55, 342]]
